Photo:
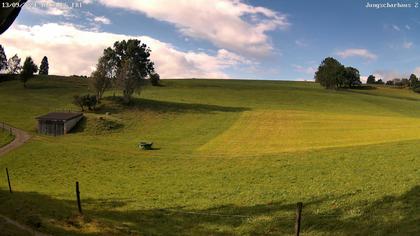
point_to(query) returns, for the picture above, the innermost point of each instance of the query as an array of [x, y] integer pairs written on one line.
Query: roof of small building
[[63, 116]]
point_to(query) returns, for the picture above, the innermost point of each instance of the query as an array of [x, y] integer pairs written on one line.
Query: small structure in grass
[[58, 123], [146, 145]]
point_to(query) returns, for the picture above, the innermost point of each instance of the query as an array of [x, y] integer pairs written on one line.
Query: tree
[[389, 82], [155, 79], [3, 59], [28, 70], [131, 61], [371, 79], [405, 82], [44, 67], [413, 80], [13, 65], [351, 77], [127, 80], [77, 100], [330, 73], [380, 81], [101, 79]]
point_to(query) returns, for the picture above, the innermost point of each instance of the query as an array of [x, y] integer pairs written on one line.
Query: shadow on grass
[[364, 87], [383, 95], [391, 215], [80, 126], [115, 105]]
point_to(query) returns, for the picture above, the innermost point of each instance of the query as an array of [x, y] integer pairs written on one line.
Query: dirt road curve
[[20, 138]]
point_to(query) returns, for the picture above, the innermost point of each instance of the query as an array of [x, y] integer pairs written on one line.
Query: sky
[[231, 39]]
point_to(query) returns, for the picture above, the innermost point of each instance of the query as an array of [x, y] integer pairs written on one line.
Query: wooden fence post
[[299, 206], [79, 205], [8, 180]]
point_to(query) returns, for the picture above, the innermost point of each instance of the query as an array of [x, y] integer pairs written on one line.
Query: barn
[[58, 123]]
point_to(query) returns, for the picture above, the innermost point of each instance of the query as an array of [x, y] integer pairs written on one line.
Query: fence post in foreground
[[79, 205], [299, 206], [8, 180]]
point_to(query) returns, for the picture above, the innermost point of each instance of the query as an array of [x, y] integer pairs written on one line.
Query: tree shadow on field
[[391, 215], [163, 106]]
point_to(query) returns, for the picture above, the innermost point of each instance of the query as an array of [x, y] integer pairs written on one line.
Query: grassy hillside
[[232, 157]]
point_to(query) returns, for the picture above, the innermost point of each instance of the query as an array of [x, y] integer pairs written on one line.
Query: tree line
[[331, 74], [411, 82], [12, 66]]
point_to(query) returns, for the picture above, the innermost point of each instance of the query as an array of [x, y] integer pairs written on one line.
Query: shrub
[[155, 79], [86, 101]]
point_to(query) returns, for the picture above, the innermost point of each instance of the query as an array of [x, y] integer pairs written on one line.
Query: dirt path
[[20, 138]]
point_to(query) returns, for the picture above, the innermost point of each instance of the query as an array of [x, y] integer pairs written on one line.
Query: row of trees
[[13, 66], [123, 66], [411, 82], [371, 79], [333, 75]]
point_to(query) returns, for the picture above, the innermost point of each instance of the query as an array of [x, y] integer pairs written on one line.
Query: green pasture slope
[[231, 158]]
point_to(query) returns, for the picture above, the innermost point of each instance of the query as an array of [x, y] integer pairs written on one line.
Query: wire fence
[[172, 211], [287, 212]]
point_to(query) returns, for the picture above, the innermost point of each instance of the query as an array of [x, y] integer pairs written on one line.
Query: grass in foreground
[[5, 137], [232, 158]]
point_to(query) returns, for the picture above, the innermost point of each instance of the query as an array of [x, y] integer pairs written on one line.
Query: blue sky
[[265, 39]]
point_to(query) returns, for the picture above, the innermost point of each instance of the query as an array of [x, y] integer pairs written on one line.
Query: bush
[[417, 88], [155, 79], [86, 101], [8, 77]]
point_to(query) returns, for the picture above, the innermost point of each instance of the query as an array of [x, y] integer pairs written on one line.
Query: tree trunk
[[126, 98]]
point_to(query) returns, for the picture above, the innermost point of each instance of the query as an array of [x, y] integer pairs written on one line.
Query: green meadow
[[5, 137], [231, 157]]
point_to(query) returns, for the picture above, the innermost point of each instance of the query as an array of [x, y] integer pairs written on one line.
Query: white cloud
[[301, 43], [386, 75], [305, 79], [307, 70], [395, 27], [75, 51], [102, 19], [229, 24], [407, 45], [357, 52], [407, 27], [363, 78], [417, 71], [48, 7]]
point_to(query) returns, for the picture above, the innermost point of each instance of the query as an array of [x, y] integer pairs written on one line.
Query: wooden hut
[[58, 123]]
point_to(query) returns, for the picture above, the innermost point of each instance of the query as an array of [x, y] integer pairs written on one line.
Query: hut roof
[[64, 116]]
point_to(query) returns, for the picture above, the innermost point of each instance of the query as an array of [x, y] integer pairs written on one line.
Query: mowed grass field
[[232, 158]]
